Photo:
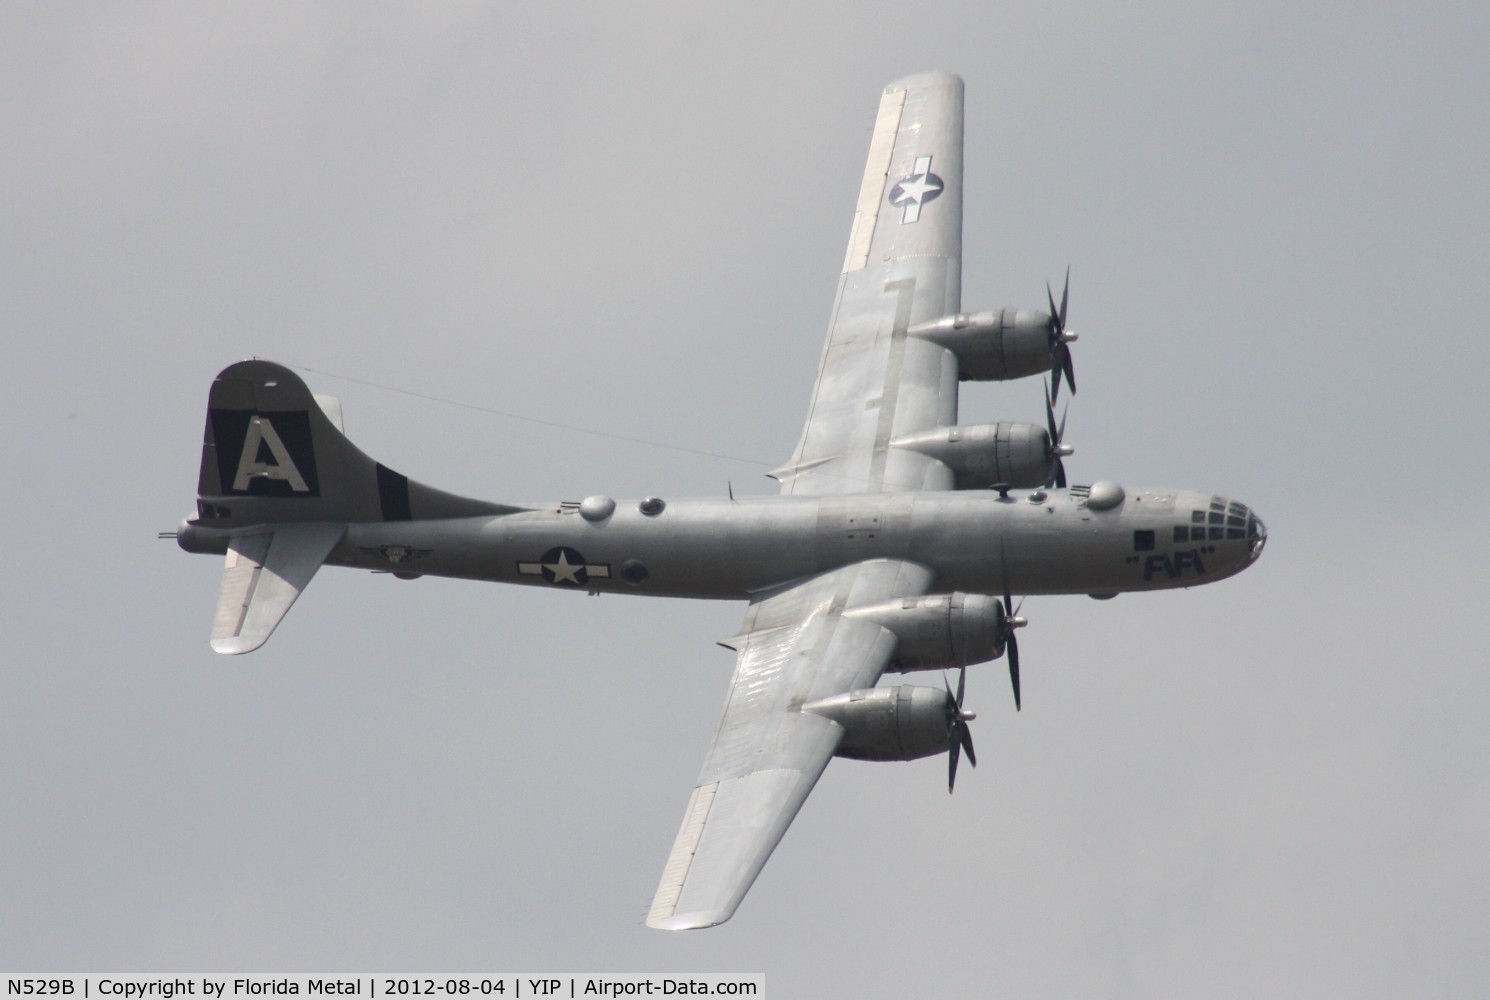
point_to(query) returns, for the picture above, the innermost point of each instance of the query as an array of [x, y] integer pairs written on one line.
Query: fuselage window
[[1143, 541]]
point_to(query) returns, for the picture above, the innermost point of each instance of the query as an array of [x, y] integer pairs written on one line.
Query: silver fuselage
[[1033, 542]]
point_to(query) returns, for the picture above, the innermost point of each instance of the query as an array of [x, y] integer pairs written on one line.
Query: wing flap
[[263, 573], [876, 173]]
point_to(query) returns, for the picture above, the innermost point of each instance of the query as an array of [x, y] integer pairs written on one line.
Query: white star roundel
[[916, 189], [565, 567]]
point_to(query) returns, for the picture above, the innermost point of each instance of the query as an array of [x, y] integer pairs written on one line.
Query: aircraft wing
[[903, 266], [875, 384], [767, 753]]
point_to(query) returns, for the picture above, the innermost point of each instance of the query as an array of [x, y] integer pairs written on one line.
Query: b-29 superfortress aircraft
[[897, 543]]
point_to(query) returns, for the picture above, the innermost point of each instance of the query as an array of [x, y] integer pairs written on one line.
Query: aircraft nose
[[1234, 522], [1257, 535]]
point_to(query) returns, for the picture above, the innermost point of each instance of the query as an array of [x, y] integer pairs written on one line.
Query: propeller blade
[[1013, 651], [959, 737], [1065, 290], [1011, 640], [1055, 468], [1057, 327], [967, 744], [1060, 351]]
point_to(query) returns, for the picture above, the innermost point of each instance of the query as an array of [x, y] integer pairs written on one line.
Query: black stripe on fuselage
[[393, 494]]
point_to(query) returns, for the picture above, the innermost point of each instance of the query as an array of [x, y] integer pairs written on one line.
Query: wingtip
[[696, 921], [238, 645], [928, 78]]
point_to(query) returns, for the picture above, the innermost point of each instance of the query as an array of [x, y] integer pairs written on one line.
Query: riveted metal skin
[[995, 345], [980, 455], [939, 631], [898, 723], [719, 548]]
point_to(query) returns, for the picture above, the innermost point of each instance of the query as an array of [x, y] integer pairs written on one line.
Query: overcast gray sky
[[630, 218]]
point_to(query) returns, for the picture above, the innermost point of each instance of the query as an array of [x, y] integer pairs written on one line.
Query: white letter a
[[261, 431]]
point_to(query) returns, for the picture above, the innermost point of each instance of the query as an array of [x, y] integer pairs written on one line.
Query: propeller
[[1009, 621], [1055, 468], [1060, 340], [959, 738]]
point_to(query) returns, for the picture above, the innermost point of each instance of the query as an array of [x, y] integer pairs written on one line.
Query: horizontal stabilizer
[[265, 571]]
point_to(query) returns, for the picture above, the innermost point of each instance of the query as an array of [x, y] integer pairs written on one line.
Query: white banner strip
[[441, 986]]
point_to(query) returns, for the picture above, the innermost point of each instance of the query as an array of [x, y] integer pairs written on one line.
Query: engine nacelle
[[983, 454], [993, 346], [898, 723], [944, 630]]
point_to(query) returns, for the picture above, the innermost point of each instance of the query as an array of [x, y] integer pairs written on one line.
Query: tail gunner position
[[897, 544]]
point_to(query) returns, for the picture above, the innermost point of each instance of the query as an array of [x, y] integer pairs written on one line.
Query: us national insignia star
[[916, 190], [565, 567]]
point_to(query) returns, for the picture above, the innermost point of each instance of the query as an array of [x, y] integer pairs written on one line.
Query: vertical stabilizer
[[270, 455], [278, 485]]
